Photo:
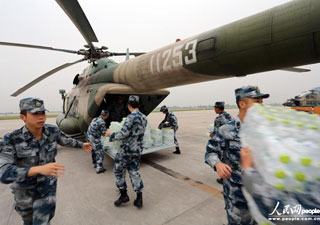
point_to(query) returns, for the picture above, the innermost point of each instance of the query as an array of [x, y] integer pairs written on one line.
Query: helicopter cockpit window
[[76, 79]]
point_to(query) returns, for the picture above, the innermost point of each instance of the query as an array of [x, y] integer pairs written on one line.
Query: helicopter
[[308, 101], [282, 37]]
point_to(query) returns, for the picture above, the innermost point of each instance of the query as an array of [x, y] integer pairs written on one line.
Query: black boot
[[177, 151], [138, 201], [101, 171], [220, 180], [122, 199]]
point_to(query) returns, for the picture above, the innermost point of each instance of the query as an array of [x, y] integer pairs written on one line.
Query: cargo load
[[285, 149], [153, 140], [285, 145]]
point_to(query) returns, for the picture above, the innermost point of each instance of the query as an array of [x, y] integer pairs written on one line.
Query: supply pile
[[285, 145], [151, 138]]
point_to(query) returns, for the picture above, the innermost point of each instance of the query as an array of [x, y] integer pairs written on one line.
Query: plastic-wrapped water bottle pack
[[167, 136], [152, 137], [115, 127], [210, 129], [156, 135], [147, 140], [285, 145]]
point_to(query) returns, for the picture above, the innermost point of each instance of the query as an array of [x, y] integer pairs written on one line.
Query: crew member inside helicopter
[[117, 108]]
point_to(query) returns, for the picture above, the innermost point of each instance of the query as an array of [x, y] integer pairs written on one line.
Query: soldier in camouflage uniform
[[27, 161], [222, 118], [271, 203], [96, 129], [117, 109], [129, 154], [171, 121], [230, 170]]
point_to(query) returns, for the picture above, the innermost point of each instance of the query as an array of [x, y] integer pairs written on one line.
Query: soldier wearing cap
[[230, 169], [117, 109], [96, 129], [170, 120], [27, 161], [222, 118], [129, 154]]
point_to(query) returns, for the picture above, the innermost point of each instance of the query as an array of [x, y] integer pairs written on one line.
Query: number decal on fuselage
[[192, 52], [177, 57], [166, 54]]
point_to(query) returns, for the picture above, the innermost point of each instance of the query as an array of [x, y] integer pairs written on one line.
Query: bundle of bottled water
[[167, 136], [285, 145], [152, 137], [147, 140], [209, 129], [116, 127], [156, 135]]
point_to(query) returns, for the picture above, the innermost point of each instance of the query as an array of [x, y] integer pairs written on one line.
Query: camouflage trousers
[[97, 155], [236, 205], [175, 139], [36, 208], [132, 163]]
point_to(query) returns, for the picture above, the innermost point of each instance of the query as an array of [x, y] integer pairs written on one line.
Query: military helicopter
[[308, 101], [283, 37]]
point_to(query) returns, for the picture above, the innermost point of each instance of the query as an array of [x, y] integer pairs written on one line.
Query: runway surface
[[179, 189]]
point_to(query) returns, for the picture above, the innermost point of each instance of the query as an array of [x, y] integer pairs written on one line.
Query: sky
[[140, 25]]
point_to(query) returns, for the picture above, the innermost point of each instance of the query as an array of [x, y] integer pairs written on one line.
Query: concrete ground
[[179, 189]]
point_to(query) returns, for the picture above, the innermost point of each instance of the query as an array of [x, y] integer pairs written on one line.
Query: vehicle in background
[[308, 101]]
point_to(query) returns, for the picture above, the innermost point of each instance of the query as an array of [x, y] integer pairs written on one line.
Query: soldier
[[27, 160], [230, 170], [222, 118], [129, 154], [171, 121], [96, 129], [117, 109]]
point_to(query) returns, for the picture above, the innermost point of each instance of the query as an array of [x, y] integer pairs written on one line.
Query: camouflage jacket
[[96, 129], [221, 119], [20, 150], [132, 134], [170, 120], [228, 136], [273, 203]]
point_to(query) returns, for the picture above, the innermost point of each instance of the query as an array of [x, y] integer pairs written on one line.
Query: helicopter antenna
[[127, 55]]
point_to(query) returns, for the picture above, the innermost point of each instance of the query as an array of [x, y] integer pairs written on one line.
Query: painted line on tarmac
[[188, 180]]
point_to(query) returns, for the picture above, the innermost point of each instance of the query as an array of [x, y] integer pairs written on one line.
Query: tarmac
[[179, 189]]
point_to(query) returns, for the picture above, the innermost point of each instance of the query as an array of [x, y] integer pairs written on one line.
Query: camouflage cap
[[163, 108], [219, 104], [133, 98], [104, 112], [249, 92], [32, 105]]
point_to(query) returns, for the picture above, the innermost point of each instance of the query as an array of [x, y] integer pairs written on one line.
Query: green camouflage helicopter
[[283, 37]]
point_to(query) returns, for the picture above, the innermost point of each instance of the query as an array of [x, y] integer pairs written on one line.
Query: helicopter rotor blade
[[136, 53], [74, 11], [40, 78], [37, 47], [124, 53]]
